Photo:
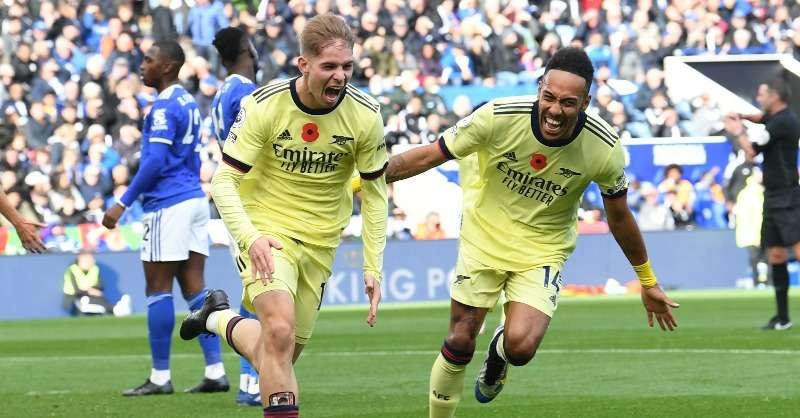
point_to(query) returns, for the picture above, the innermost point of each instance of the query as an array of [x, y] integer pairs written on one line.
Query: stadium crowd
[[72, 102]]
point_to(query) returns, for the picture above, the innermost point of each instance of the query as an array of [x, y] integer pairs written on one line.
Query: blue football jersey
[[227, 102], [173, 120]]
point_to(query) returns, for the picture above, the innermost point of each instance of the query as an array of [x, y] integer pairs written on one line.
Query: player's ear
[[302, 64], [586, 99]]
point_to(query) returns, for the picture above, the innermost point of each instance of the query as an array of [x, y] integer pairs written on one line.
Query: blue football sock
[[246, 367], [209, 343], [160, 321]]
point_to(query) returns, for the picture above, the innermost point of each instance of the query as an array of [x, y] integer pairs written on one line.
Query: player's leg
[[190, 279], [249, 393], [160, 323], [532, 300], [775, 228], [447, 374], [475, 290]]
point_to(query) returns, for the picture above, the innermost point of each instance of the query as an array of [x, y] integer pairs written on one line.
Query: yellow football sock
[[447, 383], [222, 320]]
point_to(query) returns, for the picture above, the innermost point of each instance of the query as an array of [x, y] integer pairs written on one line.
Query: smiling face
[[326, 74], [562, 96]]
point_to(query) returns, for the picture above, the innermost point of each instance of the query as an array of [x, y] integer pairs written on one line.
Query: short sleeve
[[469, 134], [612, 179], [163, 124], [371, 155], [246, 137]]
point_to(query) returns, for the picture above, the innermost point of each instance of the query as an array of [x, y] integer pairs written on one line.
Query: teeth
[[553, 122]]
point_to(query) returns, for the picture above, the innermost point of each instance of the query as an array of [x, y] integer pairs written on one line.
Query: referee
[[781, 226]]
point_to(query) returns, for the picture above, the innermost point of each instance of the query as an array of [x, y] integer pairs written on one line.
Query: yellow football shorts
[[301, 269], [479, 285]]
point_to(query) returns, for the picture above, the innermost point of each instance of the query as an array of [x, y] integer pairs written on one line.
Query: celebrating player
[[175, 241], [536, 156], [240, 59], [301, 139]]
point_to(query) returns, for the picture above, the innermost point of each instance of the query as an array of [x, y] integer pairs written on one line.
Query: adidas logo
[[511, 156], [285, 136]]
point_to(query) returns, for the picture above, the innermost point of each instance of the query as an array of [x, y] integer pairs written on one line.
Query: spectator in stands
[[653, 215], [678, 195], [205, 19], [431, 229]]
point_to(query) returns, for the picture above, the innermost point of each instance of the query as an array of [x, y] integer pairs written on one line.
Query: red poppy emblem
[[310, 132], [538, 161]]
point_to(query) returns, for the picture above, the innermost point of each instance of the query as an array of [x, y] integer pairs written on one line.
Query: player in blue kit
[[240, 59], [175, 240]]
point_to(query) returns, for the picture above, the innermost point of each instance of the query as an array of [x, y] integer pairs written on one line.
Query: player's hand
[[658, 305], [112, 216], [262, 264], [28, 232], [373, 290]]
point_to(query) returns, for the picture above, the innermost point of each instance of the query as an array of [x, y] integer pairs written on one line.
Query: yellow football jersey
[[299, 160], [524, 208]]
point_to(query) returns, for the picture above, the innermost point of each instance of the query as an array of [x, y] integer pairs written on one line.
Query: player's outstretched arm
[[374, 208], [414, 161], [626, 232], [27, 230]]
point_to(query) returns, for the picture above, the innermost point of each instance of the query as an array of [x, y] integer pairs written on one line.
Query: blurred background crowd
[[72, 103]]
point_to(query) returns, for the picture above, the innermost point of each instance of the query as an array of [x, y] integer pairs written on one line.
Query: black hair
[[781, 88], [671, 167], [228, 42], [171, 50], [572, 60]]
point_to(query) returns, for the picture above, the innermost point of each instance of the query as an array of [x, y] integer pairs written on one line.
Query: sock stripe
[[283, 411], [229, 333], [454, 356]]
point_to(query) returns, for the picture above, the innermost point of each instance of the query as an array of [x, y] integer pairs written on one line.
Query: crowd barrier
[[415, 271]]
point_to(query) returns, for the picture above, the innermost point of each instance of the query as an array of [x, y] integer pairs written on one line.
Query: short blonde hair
[[322, 30]]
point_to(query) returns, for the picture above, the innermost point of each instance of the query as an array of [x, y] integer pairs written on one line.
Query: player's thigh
[[476, 285], [198, 237], [789, 222], [284, 279], [771, 235], [538, 288], [168, 233], [315, 270]]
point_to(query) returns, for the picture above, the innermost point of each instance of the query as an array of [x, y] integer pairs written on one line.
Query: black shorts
[[781, 225]]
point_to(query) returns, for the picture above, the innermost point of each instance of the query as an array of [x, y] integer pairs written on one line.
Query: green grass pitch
[[599, 359]]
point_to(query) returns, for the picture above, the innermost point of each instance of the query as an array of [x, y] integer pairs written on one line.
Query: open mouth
[[552, 126], [332, 93]]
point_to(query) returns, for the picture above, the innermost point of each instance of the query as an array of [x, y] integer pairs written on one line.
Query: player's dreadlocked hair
[[171, 50], [228, 42], [572, 60]]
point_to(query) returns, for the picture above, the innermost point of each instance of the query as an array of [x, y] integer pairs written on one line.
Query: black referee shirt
[[780, 153]]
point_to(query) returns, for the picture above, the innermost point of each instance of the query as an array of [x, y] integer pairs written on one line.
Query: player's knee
[[519, 356], [777, 256], [278, 335], [461, 341], [520, 348]]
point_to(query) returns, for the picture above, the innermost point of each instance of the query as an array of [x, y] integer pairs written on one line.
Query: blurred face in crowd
[[327, 73], [85, 261], [562, 96]]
